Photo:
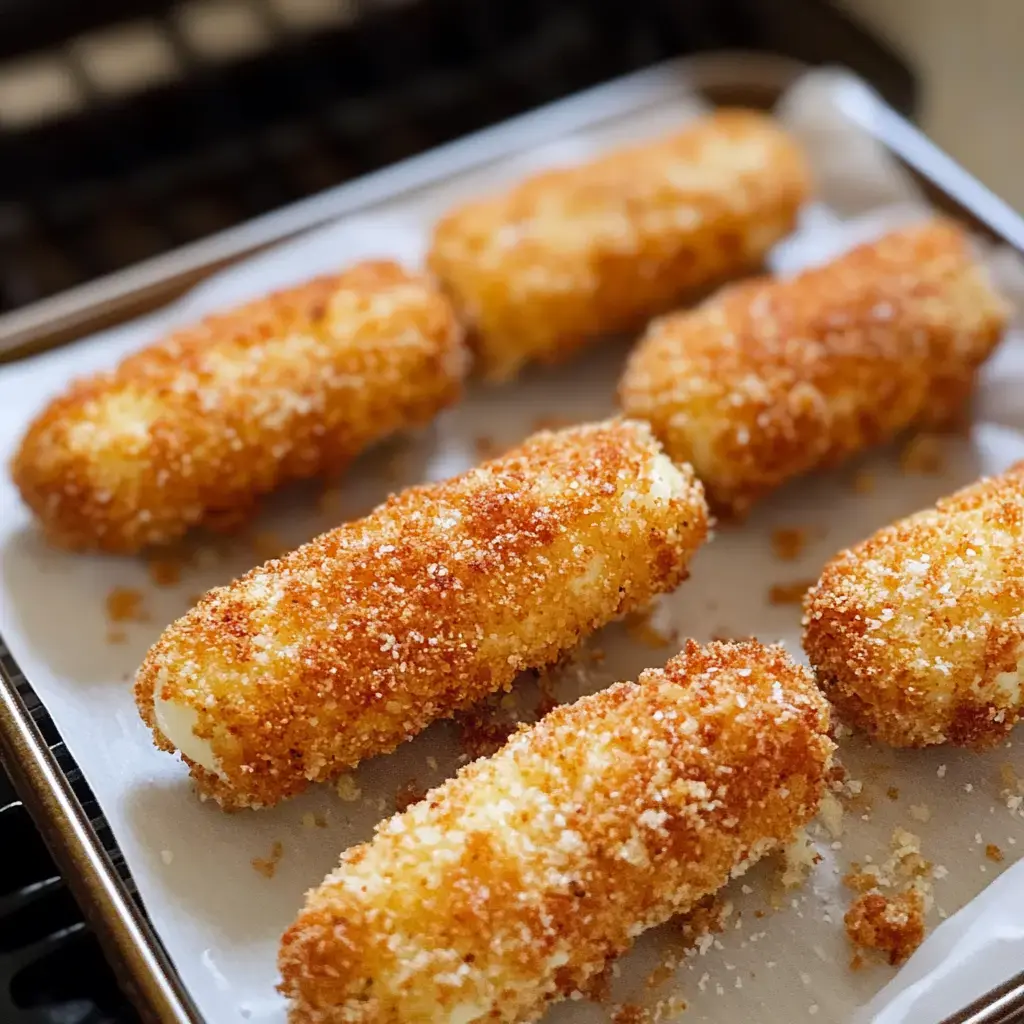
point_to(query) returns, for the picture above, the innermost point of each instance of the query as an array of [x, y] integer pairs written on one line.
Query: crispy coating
[[363, 637], [582, 252], [773, 378], [917, 634], [194, 429], [510, 886]]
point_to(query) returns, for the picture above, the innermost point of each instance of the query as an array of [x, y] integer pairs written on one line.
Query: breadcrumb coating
[[512, 885], [583, 252], [917, 634], [194, 429], [360, 639], [773, 378]]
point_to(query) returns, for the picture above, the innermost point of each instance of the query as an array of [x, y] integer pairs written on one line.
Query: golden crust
[[917, 634], [358, 640], [583, 252], [774, 378], [510, 886], [195, 428]]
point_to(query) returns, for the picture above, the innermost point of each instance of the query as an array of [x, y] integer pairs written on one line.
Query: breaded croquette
[[773, 378], [917, 634], [512, 885], [360, 639], [582, 252], [196, 428]]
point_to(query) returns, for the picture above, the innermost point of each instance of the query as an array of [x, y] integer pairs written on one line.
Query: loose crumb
[[892, 793], [167, 856], [641, 629], [893, 925], [125, 604], [347, 789], [486, 447], [788, 542], [799, 859], [408, 793], [863, 482], [266, 866], [789, 593], [993, 853], [923, 455], [165, 569]]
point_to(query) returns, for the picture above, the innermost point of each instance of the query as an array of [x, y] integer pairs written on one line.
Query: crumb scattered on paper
[[799, 859], [788, 542], [347, 789], [892, 925], [125, 604], [923, 455], [994, 853], [482, 731], [486, 447], [408, 793], [266, 866], [789, 593], [863, 482], [165, 569], [641, 629]]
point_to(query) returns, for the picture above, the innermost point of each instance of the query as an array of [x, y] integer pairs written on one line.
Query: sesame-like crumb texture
[[581, 252], [363, 637], [893, 925], [195, 428], [772, 378], [512, 885], [917, 634]]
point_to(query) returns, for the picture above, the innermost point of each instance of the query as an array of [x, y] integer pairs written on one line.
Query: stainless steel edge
[[1003, 1005], [143, 967]]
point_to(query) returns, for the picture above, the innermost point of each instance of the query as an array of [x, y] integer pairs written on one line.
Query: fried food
[[196, 428], [363, 637], [917, 634], [773, 378], [579, 253], [512, 885]]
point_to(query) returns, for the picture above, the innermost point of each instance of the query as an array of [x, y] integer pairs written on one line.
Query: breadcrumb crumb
[[126, 604], [788, 542], [893, 925], [267, 866]]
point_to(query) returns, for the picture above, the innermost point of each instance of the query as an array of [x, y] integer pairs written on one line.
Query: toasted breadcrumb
[[198, 427], [165, 570], [641, 629], [916, 634], [126, 604], [773, 378], [788, 542], [361, 638], [893, 925], [510, 886], [993, 853], [864, 482], [267, 866], [347, 789], [789, 593], [924, 455], [585, 252]]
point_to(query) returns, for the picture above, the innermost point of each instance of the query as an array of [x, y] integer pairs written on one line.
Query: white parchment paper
[[780, 958]]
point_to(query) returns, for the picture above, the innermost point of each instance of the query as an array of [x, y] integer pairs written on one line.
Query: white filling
[[1011, 684], [177, 722]]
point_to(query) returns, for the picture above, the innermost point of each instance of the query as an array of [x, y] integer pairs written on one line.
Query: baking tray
[[753, 80]]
